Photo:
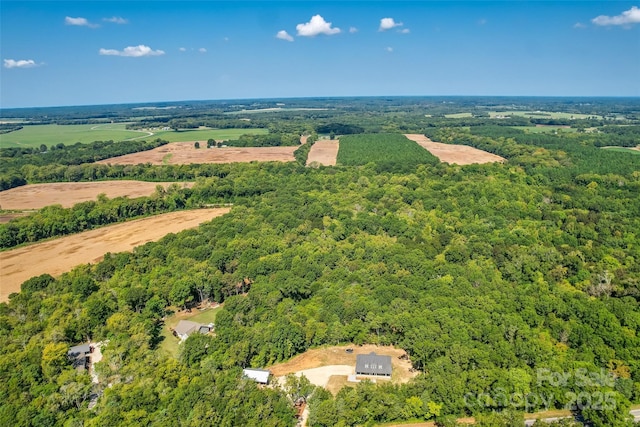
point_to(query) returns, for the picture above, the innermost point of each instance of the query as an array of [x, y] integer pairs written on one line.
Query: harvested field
[[67, 194], [324, 152], [181, 153], [60, 255], [455, 154], [329, 366]]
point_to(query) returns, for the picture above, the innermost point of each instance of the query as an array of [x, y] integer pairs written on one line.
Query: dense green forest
[[499, 281]]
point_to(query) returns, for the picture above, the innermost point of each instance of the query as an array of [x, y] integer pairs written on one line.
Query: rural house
[[373, 364], [184, 328], [258, 375], [79, 356]]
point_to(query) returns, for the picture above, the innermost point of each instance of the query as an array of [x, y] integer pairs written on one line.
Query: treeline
[[268, 140], [62, 163], [54, 221]]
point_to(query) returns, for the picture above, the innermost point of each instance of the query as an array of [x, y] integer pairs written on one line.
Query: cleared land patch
[[324, 152], [34, 135], [203, 135], [455, 154], [67, 194], [329, 366], [60, 255], [181, 153]]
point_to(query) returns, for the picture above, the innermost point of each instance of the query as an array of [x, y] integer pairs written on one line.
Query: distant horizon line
[[219, 100]]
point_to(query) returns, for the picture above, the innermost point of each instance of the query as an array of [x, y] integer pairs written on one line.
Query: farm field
[[635, 150], [545, 129], [455, 154], [35, 135], [387, 150], [324, 152], [541, 115], [67, 194], [180, 153], [61, 255]]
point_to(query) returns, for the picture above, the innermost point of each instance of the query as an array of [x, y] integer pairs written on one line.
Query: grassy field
[[204, 134], [170, 344], [544, 129], [33, 136], [622, 149], [458, 115], [540, 115]]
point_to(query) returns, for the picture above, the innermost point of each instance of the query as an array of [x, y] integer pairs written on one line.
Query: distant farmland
[[390, 152], [35, 135]]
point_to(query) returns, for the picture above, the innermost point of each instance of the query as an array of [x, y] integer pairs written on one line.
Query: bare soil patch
[[455, 154], [67, 194], [324, 152], [330, 366], [181, 153], [60, 255]]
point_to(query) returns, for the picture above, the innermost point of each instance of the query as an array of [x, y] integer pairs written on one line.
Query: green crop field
[[458, 115], [34, 136], [388, 151]]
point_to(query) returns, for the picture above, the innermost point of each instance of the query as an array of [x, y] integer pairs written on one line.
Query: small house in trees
[[260, 376], [184, 328], [373, 364], [79, 356]]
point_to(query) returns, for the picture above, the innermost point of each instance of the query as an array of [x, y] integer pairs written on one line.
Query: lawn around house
[[171, 344]]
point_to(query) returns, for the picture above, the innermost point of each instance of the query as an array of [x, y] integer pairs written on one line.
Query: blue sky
[[102, 52]]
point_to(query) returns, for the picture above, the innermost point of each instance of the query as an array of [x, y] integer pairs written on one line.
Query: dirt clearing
[[324, 152], [60, 255], [329, 367], [67, 194], [182, 153], [455, 154]]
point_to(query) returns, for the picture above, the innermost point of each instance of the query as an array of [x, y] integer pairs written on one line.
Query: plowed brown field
[[67, 194], [181, 153], [456, 154], [60, 255], [324, 152]]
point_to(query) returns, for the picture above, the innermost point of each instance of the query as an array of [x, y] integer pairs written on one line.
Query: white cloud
[[404, 31], [317, 25], [182, 49], [283, 35], [116, 20], [20, 63], [227, 38], [79, 22], [202, 50], [389, 49], [388, 23], [579, 25], [628, 17], [132, 51], [353, 30]]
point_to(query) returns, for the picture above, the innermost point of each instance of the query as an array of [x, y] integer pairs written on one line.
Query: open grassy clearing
[[171, 344], [541, 115], [635, 150], [458, 115], [61, 255], [203, 135], [545, 129], [35, 135]]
